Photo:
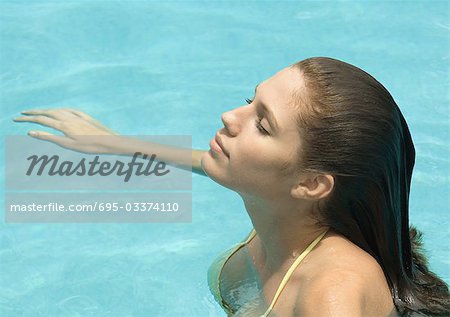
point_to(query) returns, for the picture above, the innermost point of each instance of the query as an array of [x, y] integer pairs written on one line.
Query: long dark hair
[[352, 128]]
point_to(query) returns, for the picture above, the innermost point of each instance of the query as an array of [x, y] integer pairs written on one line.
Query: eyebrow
[[271, 118]]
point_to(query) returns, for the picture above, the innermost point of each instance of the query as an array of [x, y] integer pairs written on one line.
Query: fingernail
[[32, 133]]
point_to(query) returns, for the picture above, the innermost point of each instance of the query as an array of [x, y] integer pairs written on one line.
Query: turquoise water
[[173, 68]]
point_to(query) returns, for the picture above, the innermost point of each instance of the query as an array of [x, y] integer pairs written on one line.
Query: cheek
[[265, 154], [258, 166]]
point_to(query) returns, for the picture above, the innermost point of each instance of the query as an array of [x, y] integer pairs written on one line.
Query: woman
[[322, 158]]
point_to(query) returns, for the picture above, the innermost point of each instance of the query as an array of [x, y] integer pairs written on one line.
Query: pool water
[[148, 67]]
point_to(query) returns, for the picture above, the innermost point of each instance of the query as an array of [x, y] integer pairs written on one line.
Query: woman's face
[[260, 140]]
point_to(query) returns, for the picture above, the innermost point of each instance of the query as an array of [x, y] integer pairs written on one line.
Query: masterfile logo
[[47, 183], [53, 166]]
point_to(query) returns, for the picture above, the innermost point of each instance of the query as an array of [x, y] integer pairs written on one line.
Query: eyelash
[[258, 122]]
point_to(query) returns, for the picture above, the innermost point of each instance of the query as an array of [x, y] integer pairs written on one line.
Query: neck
[[284, 230]]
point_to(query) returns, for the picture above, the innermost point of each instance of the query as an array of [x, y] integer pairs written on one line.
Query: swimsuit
[[217, 266]]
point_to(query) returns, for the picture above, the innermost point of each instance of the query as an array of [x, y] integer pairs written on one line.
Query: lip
[[217, 145]]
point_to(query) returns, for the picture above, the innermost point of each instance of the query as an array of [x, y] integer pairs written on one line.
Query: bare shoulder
[[351, 284], [334, 293]]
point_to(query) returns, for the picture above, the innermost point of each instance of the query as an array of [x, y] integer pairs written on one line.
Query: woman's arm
[[197, 162], [84, 134], [184, 158]]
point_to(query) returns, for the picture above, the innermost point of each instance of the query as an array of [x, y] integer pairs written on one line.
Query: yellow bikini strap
[[291, 270]]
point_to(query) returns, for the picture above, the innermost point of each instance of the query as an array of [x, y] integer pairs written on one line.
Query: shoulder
[[338, 292], [352, 284]]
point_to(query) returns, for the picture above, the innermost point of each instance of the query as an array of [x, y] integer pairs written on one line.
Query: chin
[[208, 165], [214, 171]]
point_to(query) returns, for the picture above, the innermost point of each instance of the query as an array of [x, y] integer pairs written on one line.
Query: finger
[[80, 114], [42, 120], [41, 112], [41, 135], [64, 142], [85, 116], [58, 114]]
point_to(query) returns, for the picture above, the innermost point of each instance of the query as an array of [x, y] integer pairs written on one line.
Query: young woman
[[322, 158]]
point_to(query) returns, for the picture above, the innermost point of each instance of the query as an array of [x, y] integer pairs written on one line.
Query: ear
[[313, 187]]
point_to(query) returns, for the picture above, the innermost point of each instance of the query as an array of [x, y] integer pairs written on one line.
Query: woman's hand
[[84, 134], [81, 132]]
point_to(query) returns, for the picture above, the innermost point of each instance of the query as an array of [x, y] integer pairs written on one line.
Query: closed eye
[[258, 121], [260, 127]]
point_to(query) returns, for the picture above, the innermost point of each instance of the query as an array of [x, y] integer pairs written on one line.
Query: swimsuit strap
[[252, 234], [291, 270], [216, 286]]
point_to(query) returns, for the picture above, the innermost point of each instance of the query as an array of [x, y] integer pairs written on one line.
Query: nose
[[232, 120]]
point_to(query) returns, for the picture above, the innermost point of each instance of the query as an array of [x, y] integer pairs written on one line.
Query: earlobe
[[298, 192], [302, 190], [312, 189]]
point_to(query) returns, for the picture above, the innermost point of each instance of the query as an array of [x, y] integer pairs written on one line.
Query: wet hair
[[352, 129]]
